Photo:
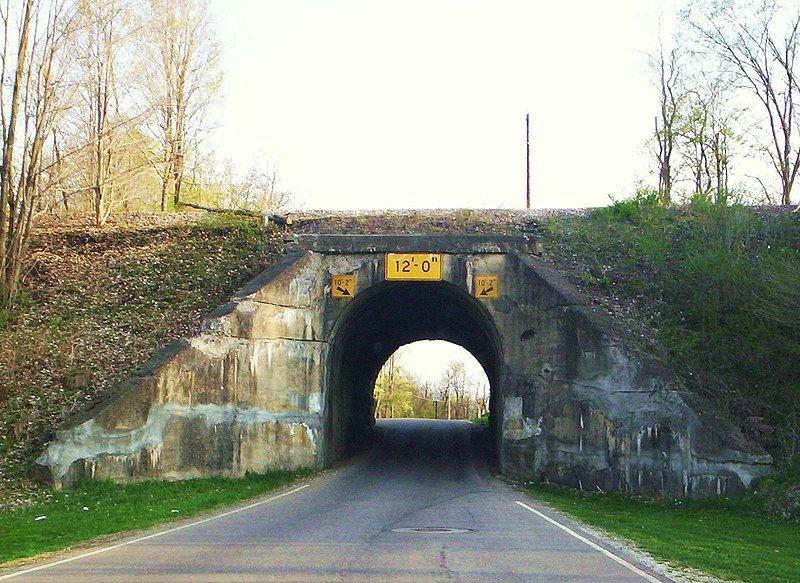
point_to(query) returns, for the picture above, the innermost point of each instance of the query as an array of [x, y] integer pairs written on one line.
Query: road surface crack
[[448, 574]]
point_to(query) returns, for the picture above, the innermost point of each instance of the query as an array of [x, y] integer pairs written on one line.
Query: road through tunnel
[[379, 321]]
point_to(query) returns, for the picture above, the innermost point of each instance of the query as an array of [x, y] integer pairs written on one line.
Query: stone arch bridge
[[282, 376]]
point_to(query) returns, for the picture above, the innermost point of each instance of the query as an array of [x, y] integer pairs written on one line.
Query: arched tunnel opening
[[375, 324]]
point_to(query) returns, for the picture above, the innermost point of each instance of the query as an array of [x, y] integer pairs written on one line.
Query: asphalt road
[[348, 525]]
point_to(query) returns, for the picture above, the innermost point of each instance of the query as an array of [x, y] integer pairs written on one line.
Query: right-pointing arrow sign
[[343, 286]]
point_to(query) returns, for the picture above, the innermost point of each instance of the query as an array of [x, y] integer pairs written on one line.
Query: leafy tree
[[182, 79], [667, 69], [394, 391]]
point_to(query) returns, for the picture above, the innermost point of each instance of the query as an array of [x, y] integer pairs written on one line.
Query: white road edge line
[[150, 536], [595, 546]]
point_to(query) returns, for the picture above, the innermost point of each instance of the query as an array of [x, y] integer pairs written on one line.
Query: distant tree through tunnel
[[431, 379]]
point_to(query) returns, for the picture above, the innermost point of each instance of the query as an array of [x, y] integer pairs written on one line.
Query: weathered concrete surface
[[282, 376], [450, 243]]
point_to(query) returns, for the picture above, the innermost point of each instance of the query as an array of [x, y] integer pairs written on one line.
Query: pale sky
[[421, 103], [429, 359]]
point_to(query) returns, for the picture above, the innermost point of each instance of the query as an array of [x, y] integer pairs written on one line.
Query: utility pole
[[528, 159]]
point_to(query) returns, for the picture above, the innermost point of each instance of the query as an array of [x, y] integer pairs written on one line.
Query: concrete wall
[[575, 401], [586, 407]]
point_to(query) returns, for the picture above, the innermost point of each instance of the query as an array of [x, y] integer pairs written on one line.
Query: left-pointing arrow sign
[[486, 287]]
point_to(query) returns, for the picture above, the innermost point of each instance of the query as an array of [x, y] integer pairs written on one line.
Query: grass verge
[[96, 509], [721, 537]]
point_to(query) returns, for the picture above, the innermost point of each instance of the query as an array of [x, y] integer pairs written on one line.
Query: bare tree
[[57, 173], [219, 184], [668, 82], [34, 36], [694, 131], [453, 384], [259, 190], [100, 45], [720, 137], [747, 41], [181, 84], [705, 132]]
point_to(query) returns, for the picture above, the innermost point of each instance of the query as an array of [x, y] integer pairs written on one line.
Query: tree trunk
[[8, 287], [177, 179], [165, 180]]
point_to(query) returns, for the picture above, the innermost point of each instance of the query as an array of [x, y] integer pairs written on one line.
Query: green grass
[[723, 537], [482, 420], [96, 509]]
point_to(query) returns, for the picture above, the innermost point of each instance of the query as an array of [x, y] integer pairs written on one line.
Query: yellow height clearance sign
[[486, 287], [343, 286], [413, 266]]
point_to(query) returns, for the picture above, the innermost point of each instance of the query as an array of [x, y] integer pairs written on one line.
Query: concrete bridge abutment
[[282, 377]]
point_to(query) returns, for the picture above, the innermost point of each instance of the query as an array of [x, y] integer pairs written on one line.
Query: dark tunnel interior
[[377, 322]]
